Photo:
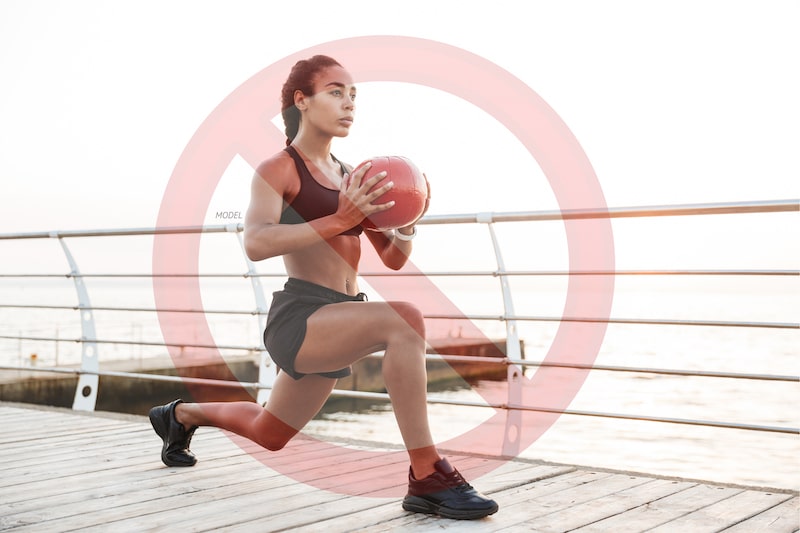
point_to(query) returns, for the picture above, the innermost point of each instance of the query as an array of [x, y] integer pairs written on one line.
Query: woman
[[307, 208]]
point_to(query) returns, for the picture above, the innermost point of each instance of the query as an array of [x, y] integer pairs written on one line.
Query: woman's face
[[332, 108]]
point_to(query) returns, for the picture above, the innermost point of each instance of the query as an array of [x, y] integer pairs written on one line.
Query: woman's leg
[[341, 334], [337, 336], [291, 405]]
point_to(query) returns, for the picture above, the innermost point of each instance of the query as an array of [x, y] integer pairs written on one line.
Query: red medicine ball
[[409, 192]]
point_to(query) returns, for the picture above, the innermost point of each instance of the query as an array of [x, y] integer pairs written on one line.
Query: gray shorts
[[286, 321]]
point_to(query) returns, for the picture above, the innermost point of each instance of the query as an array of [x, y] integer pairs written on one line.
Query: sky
[[672, 102]]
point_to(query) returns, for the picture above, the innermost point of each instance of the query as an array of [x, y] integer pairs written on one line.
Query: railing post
[[513, 430], [266, 372], [88, 380]]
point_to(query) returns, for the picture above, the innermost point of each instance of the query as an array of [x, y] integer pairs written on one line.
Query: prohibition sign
[[241, 124]]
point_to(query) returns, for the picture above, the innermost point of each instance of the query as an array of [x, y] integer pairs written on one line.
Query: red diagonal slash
[[241, 125]]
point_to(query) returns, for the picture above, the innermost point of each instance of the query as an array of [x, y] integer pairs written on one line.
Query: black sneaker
[[175, 451], [446, 493]]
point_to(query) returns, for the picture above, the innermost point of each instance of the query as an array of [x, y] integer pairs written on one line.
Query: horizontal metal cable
[[133, 343], [137, 375], [644, 321], [432, 400], [533, 273], [71, 275], [134, 309], [432, 274], [610, 368], [668, 420], [620, 416], [719, 208], [500, 318], [176, 230], [660, 371], [469, 359]]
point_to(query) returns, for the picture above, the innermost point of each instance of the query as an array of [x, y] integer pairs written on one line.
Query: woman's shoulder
[[278, 167]]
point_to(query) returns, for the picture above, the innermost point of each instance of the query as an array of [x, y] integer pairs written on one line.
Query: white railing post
[[513, 430], [266, 372], [88, 380]]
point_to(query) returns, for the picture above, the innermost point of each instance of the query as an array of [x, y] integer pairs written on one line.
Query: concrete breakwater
[[135, 395]]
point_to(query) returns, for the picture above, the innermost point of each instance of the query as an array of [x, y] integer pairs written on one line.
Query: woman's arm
[[394, 251], [275, 179]]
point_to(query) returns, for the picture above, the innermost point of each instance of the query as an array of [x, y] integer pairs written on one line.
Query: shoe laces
[[456, 481]]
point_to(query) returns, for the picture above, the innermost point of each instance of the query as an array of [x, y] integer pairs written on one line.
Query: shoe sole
[[421, 505]]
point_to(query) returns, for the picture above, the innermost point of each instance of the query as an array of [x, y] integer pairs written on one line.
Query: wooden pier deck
[[65, 471]]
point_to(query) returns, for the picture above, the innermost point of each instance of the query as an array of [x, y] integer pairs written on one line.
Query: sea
[[735, 456]]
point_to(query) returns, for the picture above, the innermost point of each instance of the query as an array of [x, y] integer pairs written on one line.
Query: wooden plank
[[142, 451], [604, 506], [515, 506], [76, 464], [49, 481], [293, 514], [328, 504], [44, 428], [62, 498], [96, 473], [514, 474], [725, 513], [175, 504], [148, 470], [81, 493], [87, 444], [175, 508], [664, 510], [783, 518], [390, 515], [170, 481], [282, 505], [534, 506], [359, 513]]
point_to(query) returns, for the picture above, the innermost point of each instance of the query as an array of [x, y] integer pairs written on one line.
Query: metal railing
[[89, 371]]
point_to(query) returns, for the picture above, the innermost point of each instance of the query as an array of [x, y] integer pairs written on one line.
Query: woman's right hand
[[356, 196]]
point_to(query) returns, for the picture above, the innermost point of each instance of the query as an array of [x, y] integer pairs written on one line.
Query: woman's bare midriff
[[331, 263]]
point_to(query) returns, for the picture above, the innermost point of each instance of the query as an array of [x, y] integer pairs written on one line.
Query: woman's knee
[[272, 432], [411, 316]]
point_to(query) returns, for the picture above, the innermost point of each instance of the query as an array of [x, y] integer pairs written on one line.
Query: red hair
[[301, 78]]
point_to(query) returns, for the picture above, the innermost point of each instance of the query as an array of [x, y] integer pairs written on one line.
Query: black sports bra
[[313, 201]]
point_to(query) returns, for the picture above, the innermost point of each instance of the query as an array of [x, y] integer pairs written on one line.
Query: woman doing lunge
[[306, 208]]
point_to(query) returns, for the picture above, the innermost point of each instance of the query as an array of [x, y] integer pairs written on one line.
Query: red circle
[[241, 125]]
